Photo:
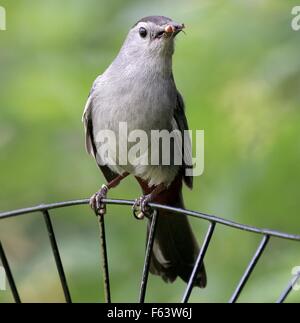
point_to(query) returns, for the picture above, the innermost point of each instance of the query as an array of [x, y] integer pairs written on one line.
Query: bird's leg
[[96, 200], [142, 202]]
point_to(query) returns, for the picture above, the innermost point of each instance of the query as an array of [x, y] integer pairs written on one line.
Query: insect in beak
[[174, 28], [170, 30]]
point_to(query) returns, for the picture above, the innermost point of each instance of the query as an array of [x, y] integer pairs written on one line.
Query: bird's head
[[152, 36]]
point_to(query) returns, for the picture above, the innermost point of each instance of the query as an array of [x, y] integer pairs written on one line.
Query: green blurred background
[[238, 68]]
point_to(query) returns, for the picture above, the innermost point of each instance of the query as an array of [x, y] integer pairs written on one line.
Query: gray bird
[[138, 88]]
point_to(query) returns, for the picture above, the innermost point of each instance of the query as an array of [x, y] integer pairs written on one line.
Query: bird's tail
[[175, 248]]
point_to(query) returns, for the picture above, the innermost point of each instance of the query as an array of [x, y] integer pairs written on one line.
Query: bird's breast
[[144, 103]]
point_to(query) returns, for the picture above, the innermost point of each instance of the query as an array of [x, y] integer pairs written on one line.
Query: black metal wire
[[104, 257], [9, 275], [149, 247], [57, 257], [199, 262], [250, 268], [266, 233], [200, 215]]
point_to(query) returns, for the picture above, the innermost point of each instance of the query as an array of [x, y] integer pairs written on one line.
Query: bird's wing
[[181, 121], [87, 121], [89, 134], [88, 127]]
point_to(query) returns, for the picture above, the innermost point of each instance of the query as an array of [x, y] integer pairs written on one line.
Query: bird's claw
[[141, 208], [136, 210], [96, 201]]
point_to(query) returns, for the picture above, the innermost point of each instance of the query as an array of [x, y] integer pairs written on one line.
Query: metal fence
[[266, 234]]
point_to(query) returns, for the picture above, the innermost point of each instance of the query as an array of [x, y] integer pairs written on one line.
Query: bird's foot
[[141, 208], [96, 201]]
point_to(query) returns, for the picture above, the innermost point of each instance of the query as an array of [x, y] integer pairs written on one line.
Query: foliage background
[[238, 69]]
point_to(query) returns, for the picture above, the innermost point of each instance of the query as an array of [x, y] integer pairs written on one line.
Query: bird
[[138, 88]]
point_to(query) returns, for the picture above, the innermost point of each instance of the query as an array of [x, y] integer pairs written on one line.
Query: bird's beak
[[174, 29]]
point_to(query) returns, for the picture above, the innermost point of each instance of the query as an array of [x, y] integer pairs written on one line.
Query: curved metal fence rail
[[266, 234]]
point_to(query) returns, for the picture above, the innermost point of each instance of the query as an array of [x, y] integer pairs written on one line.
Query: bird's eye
[[143, 32]]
